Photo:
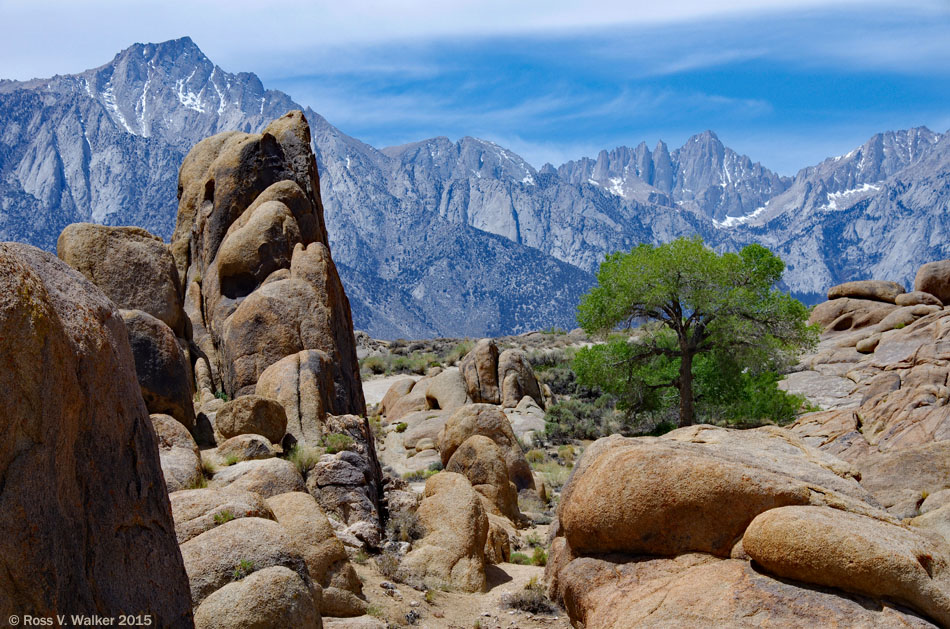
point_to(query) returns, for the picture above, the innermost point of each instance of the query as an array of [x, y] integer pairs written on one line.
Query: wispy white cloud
[[58, 36], [551, 79]]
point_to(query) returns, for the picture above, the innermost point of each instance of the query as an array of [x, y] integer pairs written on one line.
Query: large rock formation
[[313, 537], [934, 278], [252, 414], [272, 597], [482, 462], [214, 558], [178, 452], [251, 243], [452, 552], [200, 510], [884, 389], [137, 272], [131, 266], [488, 421], [661, 531], [163, 370], [85, 523], [480, 369], [303, 384], [349, 484]]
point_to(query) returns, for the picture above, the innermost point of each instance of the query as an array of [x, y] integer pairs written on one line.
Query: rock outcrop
[[867, 289], [885, 393], [272, 597], [445, 391], [661, 531], [482, 462], [268, 477], [934, 278], [251, 243], [349, 484], [855, 553], [303, 384], [246, 447], [480, 369], [488, 421], [162, 367], [200, 510], [218, 556], [313, 537], [452, 552], [131, 266], [178, 453], [503, 379], [137, 272], [517, 379], [82, 488], [252, 415]]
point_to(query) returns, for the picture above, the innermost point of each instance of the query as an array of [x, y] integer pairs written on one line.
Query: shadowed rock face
[[251, 243], [85, 522]]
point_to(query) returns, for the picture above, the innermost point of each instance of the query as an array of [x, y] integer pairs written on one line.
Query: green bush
[[566, 453], [520, 559], [539, 557], [414, 363], [572, 419], [419, 475], [304, 457], [535, 456], [244, 568], [337, 442], [375, 365], [224, 516], [458, 352], [561, 380], [401, 427], [199, 483], [554, 473]]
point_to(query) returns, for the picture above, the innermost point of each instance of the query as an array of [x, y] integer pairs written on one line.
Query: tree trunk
[[687, 412]]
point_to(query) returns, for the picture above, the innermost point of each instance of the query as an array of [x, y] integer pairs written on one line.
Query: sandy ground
[[452, 610], [375, 388], [455, 610]]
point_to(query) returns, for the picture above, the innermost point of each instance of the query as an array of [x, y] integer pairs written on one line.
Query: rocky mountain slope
[[105, 146], [463, 238]]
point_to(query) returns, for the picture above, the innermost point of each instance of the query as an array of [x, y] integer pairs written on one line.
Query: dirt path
[[455, 610]]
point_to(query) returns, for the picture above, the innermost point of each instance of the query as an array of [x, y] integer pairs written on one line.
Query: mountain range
[[462, 238]]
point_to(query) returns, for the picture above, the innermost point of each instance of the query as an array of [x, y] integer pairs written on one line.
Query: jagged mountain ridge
[[68, 143], [398, 217]]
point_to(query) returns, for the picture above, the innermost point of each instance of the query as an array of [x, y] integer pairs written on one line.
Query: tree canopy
[[706, 326]]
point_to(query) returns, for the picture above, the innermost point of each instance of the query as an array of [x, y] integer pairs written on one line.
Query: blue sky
[[786, 82]]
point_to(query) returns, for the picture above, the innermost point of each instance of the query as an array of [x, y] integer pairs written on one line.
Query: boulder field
[[880, 374], [708, 526], [184, 434], [839, 520], [184, 426]]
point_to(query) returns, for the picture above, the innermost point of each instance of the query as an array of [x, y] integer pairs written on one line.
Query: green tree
[[692, 312]]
